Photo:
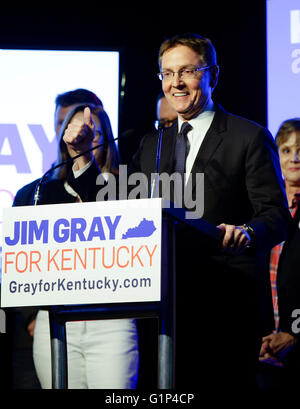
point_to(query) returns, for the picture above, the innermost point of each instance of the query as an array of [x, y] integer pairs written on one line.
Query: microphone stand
[[154, 191], [38, 186]]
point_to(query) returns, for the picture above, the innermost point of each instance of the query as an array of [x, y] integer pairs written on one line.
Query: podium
[[164, 308]]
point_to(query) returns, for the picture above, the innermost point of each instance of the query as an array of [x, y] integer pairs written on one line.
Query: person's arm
[[276, 346], [85, 171], [79, 137], [270, 223], [272, 219]]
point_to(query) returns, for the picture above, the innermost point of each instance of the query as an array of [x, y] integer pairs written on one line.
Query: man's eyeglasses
[[184, 73]]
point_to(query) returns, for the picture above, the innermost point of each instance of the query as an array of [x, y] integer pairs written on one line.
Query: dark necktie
[[181, 150]]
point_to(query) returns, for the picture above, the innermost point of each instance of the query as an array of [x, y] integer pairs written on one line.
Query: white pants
[[101, 354]]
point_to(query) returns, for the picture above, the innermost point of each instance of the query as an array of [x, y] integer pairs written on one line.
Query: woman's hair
[[108, 160], [77, 96], [285, 129]]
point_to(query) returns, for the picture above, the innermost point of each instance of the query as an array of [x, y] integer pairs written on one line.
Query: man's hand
[[31, 327], [280, 343], [266, 356], [235, 240], [275, 347], [79, 137]]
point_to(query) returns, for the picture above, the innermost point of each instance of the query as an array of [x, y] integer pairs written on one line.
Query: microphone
[[38, 186]]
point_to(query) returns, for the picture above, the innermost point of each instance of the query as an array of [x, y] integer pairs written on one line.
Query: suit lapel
[[167, 149], [211, 141]]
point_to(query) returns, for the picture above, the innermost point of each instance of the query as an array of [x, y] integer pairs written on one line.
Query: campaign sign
[[28, 144], [283, 61], [82, 253]]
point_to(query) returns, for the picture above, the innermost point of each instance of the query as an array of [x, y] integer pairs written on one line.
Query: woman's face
[[78, 117], [289, 154]]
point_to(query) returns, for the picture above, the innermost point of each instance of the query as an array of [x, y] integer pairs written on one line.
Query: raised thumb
[[87, 117]]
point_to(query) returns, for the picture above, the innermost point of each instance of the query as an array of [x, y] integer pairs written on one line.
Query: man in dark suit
[[223, 294], [224, 301]]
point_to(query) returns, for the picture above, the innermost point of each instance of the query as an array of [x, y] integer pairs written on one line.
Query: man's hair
[[285, 129], [77, 96], [201, 45]]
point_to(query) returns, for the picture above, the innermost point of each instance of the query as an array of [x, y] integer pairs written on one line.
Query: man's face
[[289, 154], [187, 96], [60, 114]]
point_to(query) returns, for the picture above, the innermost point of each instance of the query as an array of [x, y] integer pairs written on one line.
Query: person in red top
[[281, 347]]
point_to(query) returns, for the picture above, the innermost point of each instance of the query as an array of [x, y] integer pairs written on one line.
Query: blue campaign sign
[[30, 80], [283, 61]]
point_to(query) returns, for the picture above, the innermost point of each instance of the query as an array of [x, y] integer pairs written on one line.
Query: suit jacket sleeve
[[25, 196], [271, 218]]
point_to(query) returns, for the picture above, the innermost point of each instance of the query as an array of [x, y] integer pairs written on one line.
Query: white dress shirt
[[195, 137]]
